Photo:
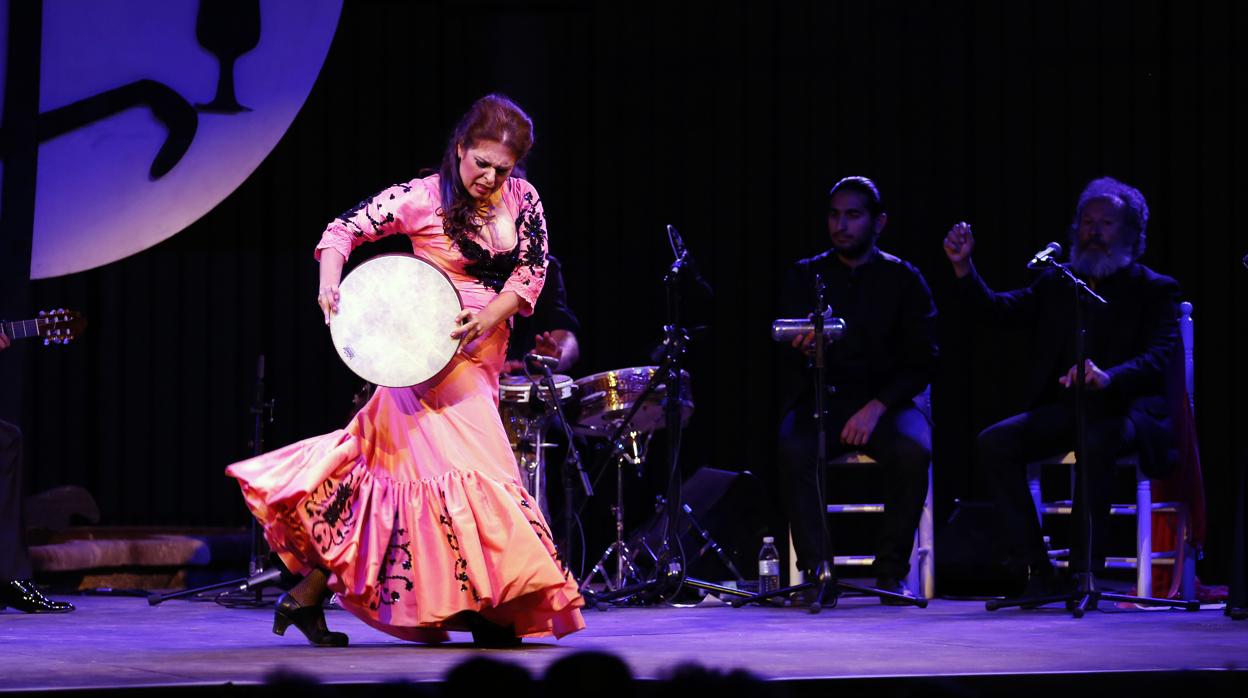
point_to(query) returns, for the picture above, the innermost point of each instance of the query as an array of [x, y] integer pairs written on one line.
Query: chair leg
[[1187, 582], [1144, 535], [927, 540], [915, 578], [1033, 484], [795, 575]]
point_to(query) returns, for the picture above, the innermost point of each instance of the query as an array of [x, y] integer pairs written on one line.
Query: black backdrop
[[728, 120]]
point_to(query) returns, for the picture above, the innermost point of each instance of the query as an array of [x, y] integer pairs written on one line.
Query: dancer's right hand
[[328, 298]]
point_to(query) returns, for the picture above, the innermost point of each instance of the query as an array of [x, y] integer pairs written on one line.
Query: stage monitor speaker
[[968, 562], [733, 508]]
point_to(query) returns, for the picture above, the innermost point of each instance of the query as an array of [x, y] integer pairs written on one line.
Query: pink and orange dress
[[416, 508]]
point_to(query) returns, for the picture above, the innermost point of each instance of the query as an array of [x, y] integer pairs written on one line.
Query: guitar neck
[[21, 329]]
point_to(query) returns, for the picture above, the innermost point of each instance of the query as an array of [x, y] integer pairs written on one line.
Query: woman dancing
[[414, 514]]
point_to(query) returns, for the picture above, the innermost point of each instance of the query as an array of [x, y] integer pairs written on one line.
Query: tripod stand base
[[827, 591], [1085, 598]]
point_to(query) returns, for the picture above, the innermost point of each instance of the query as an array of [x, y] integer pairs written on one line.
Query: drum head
[[395, 316]]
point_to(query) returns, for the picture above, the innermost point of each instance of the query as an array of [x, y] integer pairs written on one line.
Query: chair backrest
[[1187, 335]]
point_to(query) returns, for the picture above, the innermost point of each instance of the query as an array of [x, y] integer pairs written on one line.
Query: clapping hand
[[1093, 376], [959, 243]]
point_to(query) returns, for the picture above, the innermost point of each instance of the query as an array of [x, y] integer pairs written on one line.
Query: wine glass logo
[[115, 123], [227, 29]]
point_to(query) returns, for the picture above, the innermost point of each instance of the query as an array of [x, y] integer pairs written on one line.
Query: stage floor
[[123, 642]]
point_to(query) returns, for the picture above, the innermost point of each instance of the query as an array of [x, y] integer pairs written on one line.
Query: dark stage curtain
[[728, 120]]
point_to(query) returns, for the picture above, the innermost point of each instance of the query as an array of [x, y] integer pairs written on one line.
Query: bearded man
[[1129, 343]]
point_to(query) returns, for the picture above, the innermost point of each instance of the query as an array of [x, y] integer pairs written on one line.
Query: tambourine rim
[[459, 299]]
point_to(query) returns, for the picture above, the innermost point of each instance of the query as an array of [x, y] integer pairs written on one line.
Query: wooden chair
[[922, 577], [1145, 557]]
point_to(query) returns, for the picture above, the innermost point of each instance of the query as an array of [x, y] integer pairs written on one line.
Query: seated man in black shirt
[[16, 589], [1129, 343], [875, 372]]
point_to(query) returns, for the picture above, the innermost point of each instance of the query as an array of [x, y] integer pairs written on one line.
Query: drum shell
[[607, 397]]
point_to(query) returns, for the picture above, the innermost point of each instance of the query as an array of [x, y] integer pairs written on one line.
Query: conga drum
[[522, 406]]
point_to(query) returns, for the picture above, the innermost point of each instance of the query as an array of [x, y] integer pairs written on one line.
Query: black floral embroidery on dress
[[395, 567], [493, 270], [461, 565], [543, 531], [348, 215], [532, 229], [331, 509]]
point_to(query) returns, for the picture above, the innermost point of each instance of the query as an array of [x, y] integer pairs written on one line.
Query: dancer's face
[[484, 166]]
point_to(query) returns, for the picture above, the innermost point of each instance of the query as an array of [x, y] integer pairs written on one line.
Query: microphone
[[678, 244], [539, 360], [1050, 250], [684, 259]]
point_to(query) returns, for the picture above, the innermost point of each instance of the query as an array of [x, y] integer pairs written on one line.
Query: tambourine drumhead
[[395, 316]]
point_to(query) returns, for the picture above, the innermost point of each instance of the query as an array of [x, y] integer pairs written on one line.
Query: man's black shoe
[[23, 595], [1045, 582], [806, 597], [893, 585]]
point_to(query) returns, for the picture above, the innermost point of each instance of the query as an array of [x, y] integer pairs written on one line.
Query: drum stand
[[531, 455], [571, 461], [628, 446], [671, 573]]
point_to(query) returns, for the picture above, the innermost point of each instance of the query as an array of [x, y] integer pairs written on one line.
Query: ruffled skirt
[[416, 511]]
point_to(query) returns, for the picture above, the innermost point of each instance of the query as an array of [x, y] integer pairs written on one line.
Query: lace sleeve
[[529, 275], [397, 209]]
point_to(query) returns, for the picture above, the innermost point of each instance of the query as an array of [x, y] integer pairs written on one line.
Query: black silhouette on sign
[[177, 115], [228, 29]]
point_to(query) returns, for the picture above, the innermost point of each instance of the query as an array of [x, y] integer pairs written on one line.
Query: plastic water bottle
[[768, 566]]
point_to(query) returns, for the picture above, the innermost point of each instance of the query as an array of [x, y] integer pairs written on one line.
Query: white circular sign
[[122, 68]]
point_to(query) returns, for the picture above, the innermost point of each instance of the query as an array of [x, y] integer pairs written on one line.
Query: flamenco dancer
[[414, 514]]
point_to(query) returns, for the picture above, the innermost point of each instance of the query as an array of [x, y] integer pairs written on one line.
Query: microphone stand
[[1086, 595], [571, 460], [259, 573], [825, 583], [670, 570]]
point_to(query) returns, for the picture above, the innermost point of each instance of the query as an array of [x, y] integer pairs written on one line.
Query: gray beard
[[1096, 264]]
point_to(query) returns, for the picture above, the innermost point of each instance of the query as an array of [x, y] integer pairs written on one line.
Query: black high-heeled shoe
[[486, 633], [309, 619]]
